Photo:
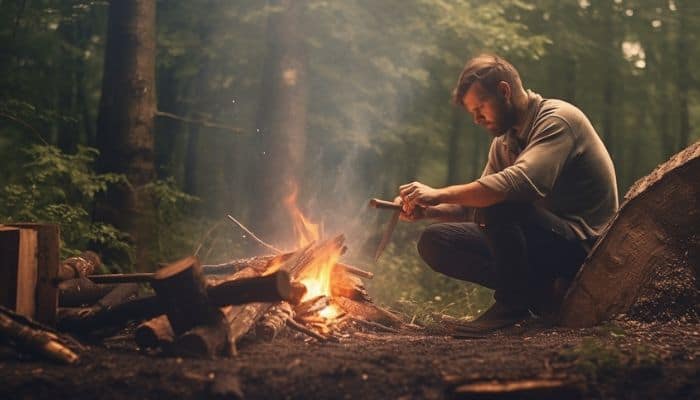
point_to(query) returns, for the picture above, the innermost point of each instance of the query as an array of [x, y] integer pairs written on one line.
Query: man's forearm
[[472, 194], [446, 213]]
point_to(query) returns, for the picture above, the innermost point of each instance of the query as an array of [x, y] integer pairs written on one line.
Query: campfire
[[333, 293], [205, 310]]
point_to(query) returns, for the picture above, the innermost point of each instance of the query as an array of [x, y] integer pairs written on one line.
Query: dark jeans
[[517, 249]]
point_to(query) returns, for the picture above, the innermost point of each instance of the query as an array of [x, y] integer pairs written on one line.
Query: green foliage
[[55, 187], [174, 228], [604, 361]]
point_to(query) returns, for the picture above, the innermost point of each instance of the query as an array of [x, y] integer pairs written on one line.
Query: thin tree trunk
[[609, 49], [127, 108], [683, 75], [281, 120]]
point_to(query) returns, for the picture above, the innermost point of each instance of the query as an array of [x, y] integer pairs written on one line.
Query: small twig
[[206, 236], [375, 325], [356, 271], [26, 125], [201, 122], [301, 328], [252, 235]]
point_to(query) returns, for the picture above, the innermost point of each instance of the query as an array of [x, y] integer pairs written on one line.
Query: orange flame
[[305, 231], [317, 275]]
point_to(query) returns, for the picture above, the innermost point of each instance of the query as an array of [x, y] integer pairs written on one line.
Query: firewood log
[[155, 332], [181, 290], [368, 311], [241, 320], [36, 341], [274, 321], [348, 285], [81, 291]]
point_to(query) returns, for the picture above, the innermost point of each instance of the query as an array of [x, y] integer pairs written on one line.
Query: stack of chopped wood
[[206, 310]]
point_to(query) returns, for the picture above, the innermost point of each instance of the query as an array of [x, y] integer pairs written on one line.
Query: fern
[[60, 188]]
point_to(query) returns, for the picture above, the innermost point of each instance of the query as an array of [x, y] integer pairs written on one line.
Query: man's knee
[[430, 245], [506, 213]]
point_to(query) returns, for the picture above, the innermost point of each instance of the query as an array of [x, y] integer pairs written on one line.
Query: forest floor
[[652, 352], [623, 360]]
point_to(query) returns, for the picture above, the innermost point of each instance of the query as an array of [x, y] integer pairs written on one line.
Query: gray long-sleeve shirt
[[557, 161]]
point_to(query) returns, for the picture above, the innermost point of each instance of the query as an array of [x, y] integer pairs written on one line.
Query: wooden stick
[[252, 235], [375, 325], [301, 328], [385, 205], [140, 277], [80, 291], [356, 271]]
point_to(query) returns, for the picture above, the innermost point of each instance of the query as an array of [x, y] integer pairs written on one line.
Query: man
[[547, 191]]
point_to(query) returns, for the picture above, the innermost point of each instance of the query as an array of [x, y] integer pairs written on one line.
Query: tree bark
[[127, 109], [281, 121], [635, 244]]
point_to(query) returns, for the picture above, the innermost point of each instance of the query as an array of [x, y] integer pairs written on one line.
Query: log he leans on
[[657, 225]]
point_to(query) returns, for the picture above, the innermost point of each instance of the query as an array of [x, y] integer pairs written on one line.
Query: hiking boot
[[498, 316]]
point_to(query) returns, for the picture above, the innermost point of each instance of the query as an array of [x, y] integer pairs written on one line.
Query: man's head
[[486, 88]]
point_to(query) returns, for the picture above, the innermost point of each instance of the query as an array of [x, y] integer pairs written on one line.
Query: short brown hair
[[489, 70]]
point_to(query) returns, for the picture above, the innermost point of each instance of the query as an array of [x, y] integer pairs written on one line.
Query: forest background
[[241, 104]]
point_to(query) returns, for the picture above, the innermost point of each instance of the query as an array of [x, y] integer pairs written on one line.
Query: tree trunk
[[683, 77], [657, 226], [610, 49], [127, 109], [281, 120]]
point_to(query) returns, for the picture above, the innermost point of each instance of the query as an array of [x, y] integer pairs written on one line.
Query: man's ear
[[505, 90]]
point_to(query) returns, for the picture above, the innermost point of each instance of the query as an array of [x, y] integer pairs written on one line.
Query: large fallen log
[[657, 226]]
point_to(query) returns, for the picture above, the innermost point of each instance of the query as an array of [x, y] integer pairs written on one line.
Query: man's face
[[491, 111]]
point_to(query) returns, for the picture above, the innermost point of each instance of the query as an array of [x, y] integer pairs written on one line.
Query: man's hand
[[411, 214], [417, 194]]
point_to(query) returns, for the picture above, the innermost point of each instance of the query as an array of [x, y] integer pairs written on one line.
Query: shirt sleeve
[[535, 171]]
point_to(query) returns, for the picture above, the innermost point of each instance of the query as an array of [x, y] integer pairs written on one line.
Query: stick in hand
[[383, 204]]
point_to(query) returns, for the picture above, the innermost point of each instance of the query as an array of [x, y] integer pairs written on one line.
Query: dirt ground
[[621, 360]]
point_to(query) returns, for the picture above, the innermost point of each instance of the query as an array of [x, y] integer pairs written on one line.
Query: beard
[[505, 119]]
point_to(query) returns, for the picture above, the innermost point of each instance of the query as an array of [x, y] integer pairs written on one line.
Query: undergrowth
[[406, 284]]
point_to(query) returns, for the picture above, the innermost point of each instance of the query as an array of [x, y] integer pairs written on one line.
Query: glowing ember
[[317, 276]]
